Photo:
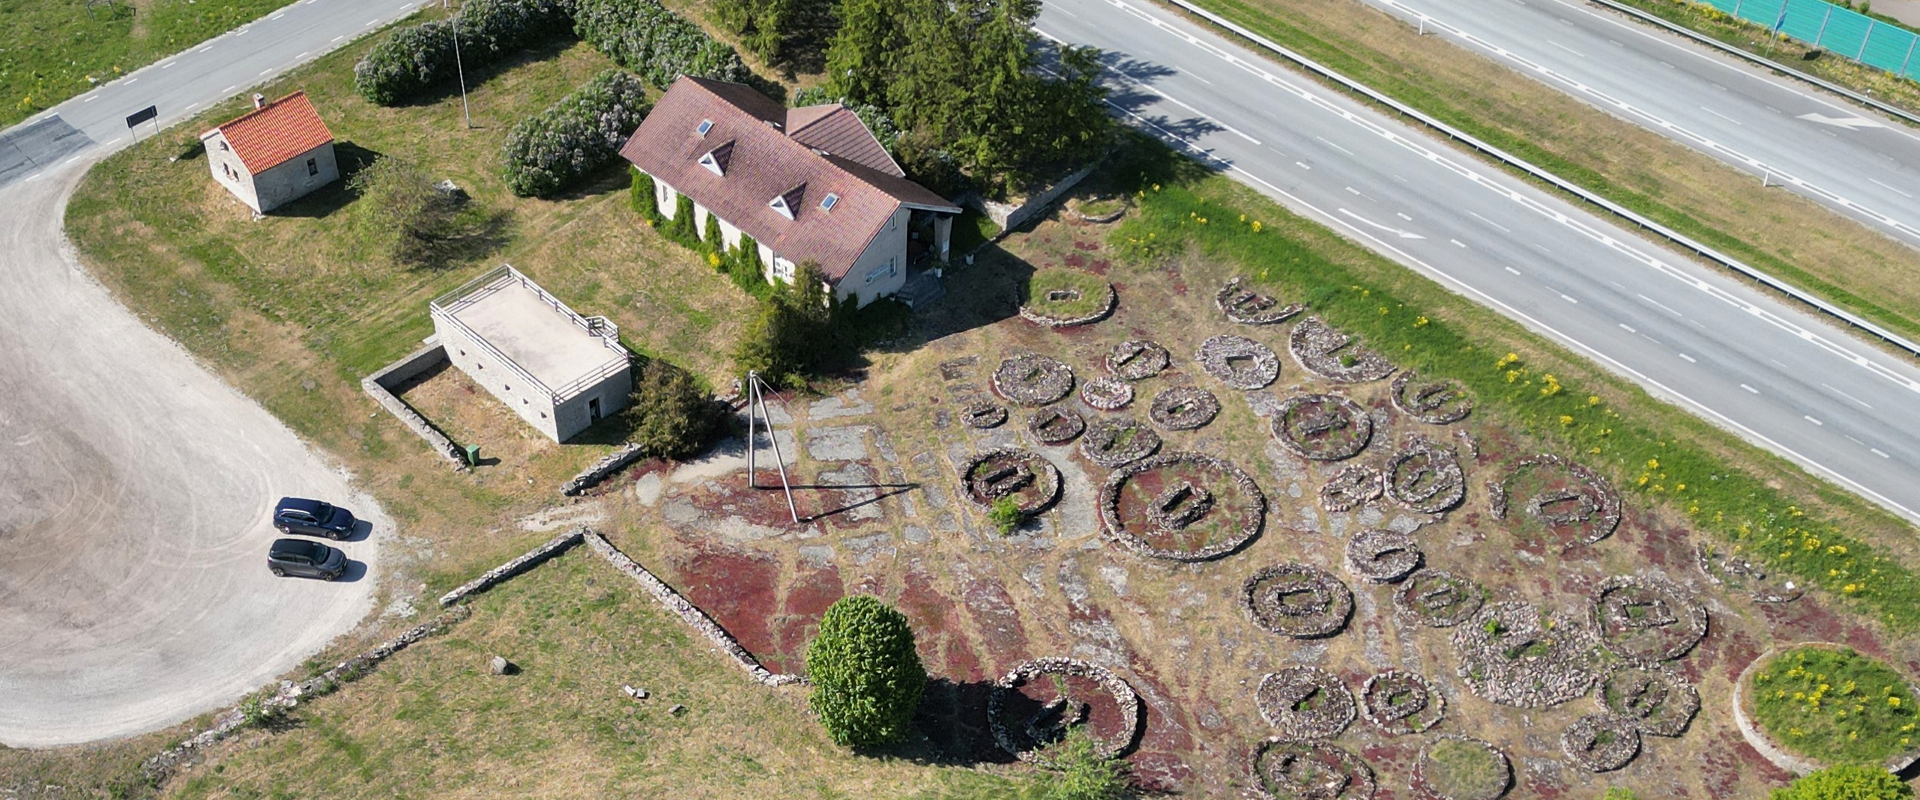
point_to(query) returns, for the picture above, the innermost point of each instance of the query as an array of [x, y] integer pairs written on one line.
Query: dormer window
[[705, 125], [716, 160], [790, 200], [828, 203], [780, 204]]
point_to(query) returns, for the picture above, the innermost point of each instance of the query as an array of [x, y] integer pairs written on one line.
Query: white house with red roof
[[274, 154], [806, 183]]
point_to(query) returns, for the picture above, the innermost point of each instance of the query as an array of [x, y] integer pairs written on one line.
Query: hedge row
[[645, 37], [554, 149], [417, 58]]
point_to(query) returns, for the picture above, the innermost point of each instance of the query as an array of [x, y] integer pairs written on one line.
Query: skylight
[[705, 125], [828, 203]]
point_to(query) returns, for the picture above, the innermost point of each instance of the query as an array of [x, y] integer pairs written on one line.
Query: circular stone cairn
[[1106, 393], [1239, 362], [1438, 599], [1305, 702], [1322, 427], [1354, 485], [1032, 380], [1183, 408], [1043, 308], [1335, 356], [1655, 699], [1056, 425], [1247, 307], [1646, 619], [1030, 481], [1572, 502], [1442, 402], [1462, 768], [1383, 556], [1113, 443], [1510, 655], [1293, 770], [1297, 600], [1138, 359], [983, 415], [1401, 703], [1425, 475], [1601, 742], [1182, 507], [1025, 732]]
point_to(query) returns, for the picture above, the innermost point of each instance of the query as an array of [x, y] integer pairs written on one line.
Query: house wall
[[890, 244], [228, 171], [574, 415], [293, 180], [530, 402]]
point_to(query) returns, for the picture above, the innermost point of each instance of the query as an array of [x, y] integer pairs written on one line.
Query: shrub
[[680, 228], [1619, 793], [1846, 783], [673, 415], [492, 29], [414, 59], [1080, 772], [645, 37], [401, 213], [573, 138], [794, 335], [1005, 514], [715, 241], [640, 195], [867, 676], [747, 270]]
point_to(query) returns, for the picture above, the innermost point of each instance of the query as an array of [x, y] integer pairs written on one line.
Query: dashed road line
[[1457, 242], [1876, 451], [1569, 299], [1512, 270], [1627, 328], [1863, 403], [1902, 194], [1723, 116], [1334, 146], [1749, 388], [1403, 216], [1491, 222], [1690, 359], [1812, 420]]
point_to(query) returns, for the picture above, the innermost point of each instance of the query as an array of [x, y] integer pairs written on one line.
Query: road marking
[[1512, 270], [1775, 110], [91, 99], [371, 23], [132, 81], [1876, 451], [337, 38], [169, 65], [1812, 420], [71, 160], [1457, 242], [1334, 146], [1356, 192], [1690, 359], [302, 55], [242, 32], [1777, 362], [1615, 43], [1855, 441], [1543, 249], [1850, 123], [1723, 116], [268, 71], [1395, 231], [1661, 305], [279, 15], [1749, 388], [1301, 165], [1403, 216], [1490, 222], [1627, 328], [1902, 194], [1066, 12], [1566, 48], [1569, 299], [1862, 403], [1667, 65], [192, 106], [228, 90], [204, 49]]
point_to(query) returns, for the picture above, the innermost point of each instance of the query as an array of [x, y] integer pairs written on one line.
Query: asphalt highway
[[1852, 159], [1770, 372]]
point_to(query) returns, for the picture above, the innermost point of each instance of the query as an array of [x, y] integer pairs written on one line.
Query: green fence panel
[[1838, 30]]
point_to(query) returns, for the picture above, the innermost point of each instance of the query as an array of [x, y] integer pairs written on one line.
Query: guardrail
[[1561, 183]]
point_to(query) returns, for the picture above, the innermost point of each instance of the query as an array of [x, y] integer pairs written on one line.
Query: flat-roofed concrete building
[[560, 371]]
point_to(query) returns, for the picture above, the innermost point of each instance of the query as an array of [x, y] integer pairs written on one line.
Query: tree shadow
[[334, 196], [950, 727], [475, 234]]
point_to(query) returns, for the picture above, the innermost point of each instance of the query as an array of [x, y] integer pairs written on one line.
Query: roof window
[[788, 201], [705, 125], [828, 203], [717, 159], [780, 204]]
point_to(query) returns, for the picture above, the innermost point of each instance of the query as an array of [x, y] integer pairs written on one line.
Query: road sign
[[142, 115]]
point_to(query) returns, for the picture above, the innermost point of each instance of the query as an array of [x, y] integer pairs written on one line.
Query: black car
[[305, 559], [312, 518]]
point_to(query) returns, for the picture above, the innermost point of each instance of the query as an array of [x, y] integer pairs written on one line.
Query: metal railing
[[447, 306]]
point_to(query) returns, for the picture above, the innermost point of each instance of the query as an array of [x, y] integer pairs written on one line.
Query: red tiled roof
[[834, 128], [268, 137], [763, 162]]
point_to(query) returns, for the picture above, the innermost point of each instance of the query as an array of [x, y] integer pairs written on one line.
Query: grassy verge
[[1781, 233], [1835, 705], [56, 49], [1080, 295]]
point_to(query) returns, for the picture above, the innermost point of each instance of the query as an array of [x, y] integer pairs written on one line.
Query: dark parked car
[[312, 518], [305, 559]]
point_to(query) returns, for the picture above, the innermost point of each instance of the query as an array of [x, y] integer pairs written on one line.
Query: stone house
[[274, 154], [805, 183]]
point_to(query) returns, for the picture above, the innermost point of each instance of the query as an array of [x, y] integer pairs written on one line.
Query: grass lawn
[[1835, 705], [1784, 234], [52, 47], [1066, 294]]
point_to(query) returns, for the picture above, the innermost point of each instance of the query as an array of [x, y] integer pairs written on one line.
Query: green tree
[[716, 241], [1619, 793], [641, 196], [672, 415], [867, 676], [400, 212], [794, 337], [1846, 782], [1078, 771]]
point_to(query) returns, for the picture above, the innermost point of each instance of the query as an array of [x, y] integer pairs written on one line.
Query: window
[[313, 167], [828, 204], [780, 204], [224, 148], [879, 272], [712, 165], [782, 269], [705, 126]]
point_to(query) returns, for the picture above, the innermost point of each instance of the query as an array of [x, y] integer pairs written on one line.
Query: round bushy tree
[[867, 677], [1846, 783]]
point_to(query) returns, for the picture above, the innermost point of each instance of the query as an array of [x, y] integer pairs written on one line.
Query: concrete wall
[[573, 415], [531, 402], [380, 386], [1011, 216], [293, 180], [228, 171]]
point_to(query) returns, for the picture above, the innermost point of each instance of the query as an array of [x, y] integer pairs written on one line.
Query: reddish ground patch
[[998, 622], [735, 588], [807, 601]]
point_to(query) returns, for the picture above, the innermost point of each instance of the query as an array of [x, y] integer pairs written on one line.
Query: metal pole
[[1863, 40], [1823, 27], [1904, 64], [1423, 26], [460, 69], [1736, 8], [753, 482], [780, 461]]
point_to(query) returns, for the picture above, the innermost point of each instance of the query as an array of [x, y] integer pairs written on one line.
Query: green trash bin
[[473, 455]]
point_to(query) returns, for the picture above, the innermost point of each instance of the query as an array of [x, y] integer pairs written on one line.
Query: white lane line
[[91, 99], [71, 160], [337, 38], [1457, 242], [279, 15], [204, 49], [132, 81], [1566, 48], [303, 54], [371, 23], [1777, 363], [192, 106], [1056, 7], [1690, 359], [1627, 328], [1812, 420], [1662, 306], [1512, 270], [1301, 165], [169, 65], [268, 71], [1862, 403], [1356, 192], [1855, 441], [1902, 194], [1543, 249], [1723, 116], [1749, 388], [242, 32], [1334, 146], [1569, 299], [1876, 451], [1491, 222], [1403, 216], [1238, 132], [229, 90]]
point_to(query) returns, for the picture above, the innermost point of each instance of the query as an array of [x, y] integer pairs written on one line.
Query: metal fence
[[1834, 29]]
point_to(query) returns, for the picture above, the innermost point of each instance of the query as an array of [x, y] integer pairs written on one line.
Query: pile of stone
[[1601, 742], [1239, 362], [1438, 599], [1652, 697], [1106, 393], [982, 415], [1322, 427], [1401, 703], [1030, 481], [1425, 475], [1578, 503], [1353, 486], [1304, 702], [1432, 778], [602, 469], [1744, 572], [1246, 519], [1036, 310], [1284, 769], [1030, 379], [1514, 656], [1113, 443], [1183, 408], [1026, 738], [1138, 359], [1251, 308], [525, 561], [1441, 402], [1056, 425], [1334, 355], [1297, 600], [1383, 556], [1646, 619]]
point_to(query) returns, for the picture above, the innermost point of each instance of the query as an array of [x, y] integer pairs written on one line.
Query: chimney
[[259, 101]]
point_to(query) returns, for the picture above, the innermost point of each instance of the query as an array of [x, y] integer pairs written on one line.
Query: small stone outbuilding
[[274, 154]]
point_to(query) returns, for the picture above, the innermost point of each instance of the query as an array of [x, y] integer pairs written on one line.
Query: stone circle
[[1297, 600], [1353, 486], [1183, 408], [1106, 393], [1247, 307], [1283, 769], [1654, 698], [1029, 379], [1036, 310], [1438, 776], [1056, 425], [1383, 556], [1026, 737], [1438, 599], [983, 415], [1182, 507], [1239, 362], [1514, 655], [1566, 498], [1601, 742], [1322, 427], [1032, 482], [1138, 359], [1425, 475], [1304, 702], [1441, 402], [1401, 703], [1336, 356], [1115, 443], [1645, 618]]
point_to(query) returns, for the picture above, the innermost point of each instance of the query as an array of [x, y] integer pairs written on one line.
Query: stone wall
[[380, 385], [614, 462], [526, 561], [1009, 216]]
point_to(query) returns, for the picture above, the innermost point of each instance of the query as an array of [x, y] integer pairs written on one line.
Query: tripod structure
[[757, 391]]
